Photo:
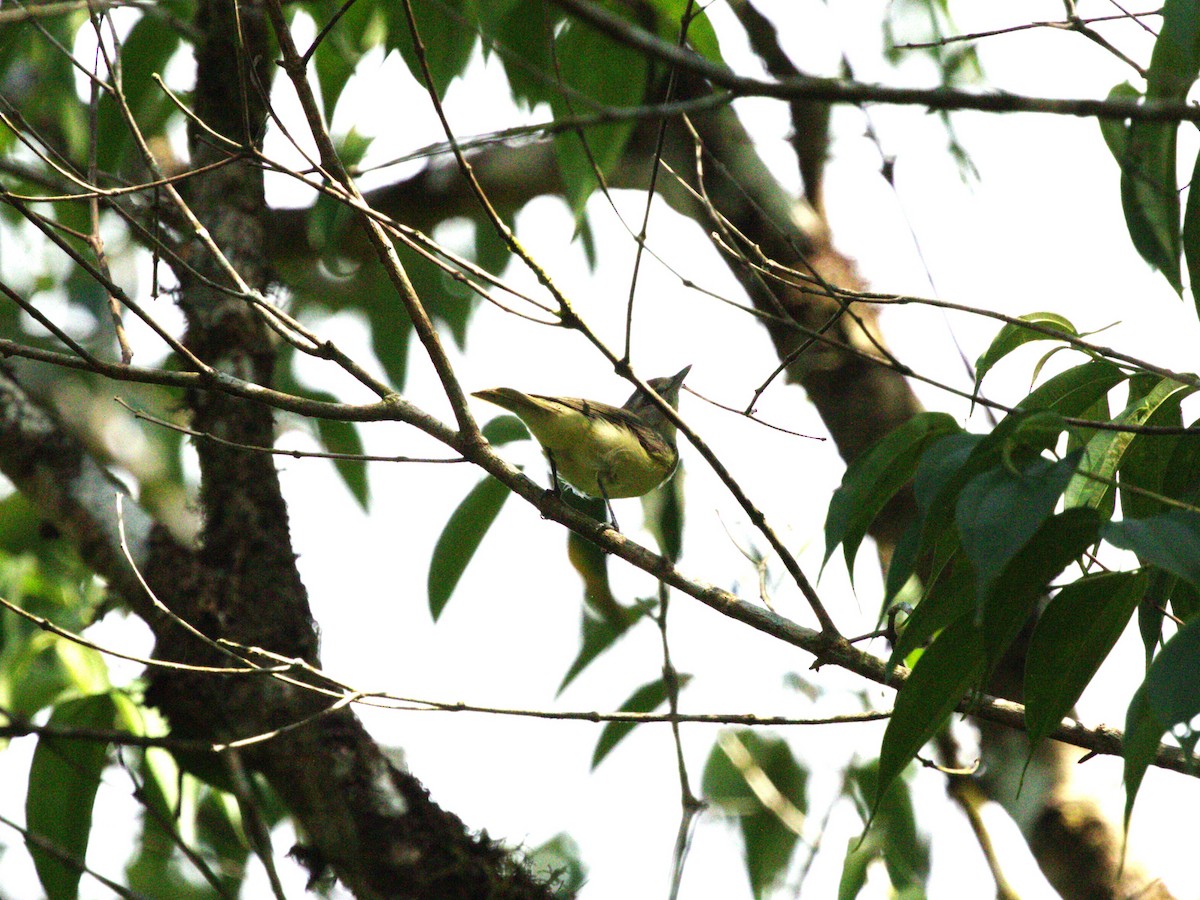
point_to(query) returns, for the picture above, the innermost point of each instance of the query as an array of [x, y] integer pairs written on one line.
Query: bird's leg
[[607, 503]]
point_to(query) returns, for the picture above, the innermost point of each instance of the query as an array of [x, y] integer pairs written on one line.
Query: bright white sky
[[1041, 230]]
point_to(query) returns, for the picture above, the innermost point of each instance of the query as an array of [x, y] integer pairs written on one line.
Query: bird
[[601, 450]]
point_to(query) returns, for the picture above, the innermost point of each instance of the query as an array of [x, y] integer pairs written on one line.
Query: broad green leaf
[[1148, 458], [1072, 392], [597, 73], [1012, 336], [342, 47], [460, 539], [1060, 540], [755, 778], [63, 779], [448, 38], [1191, 233], [1168, 697], [523, 30], [1170, 541], [1106, 449], [662, 510], [145, 52], [893, 836], [1181, 480], [1175, 61], [343, 437], [875, 476], [1147, 158], [1173, 682], [598, 634], [1073, 636], [1116, 133], [645, 699], [504, 430], [952, 665], [1000, 510], [701, 36], [1143, 732], [591, 562], [949, 597]]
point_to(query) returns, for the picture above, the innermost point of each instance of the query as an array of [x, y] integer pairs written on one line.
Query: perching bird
[[600, 450]]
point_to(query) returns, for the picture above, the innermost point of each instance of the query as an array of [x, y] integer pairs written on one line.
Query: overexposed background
[[1041, 229]]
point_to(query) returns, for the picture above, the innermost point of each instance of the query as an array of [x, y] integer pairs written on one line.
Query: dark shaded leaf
[[460, 539], [874, 477], [447, 36], [999, 510], [1170, 541], [645, 699], [1072, 392], [952, 665], [1073, 636], [599, 634]]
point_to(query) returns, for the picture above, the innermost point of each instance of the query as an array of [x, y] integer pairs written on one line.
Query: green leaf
[[1012, 336], [701, 36], [645, 699], [1000, 510], [1167, 697], [598, 634], [1150, 199], [1143, 732], [1073, 636], [447, 36], [524, 30], [893, 837], [1072, 392], [1191, 233], [1174, 676], [63, 779], [504, 430], [1116, 133], [596, 73], [949, 597], [145, 52], [1106, 449], [591, 562], [662, 510], [460, 539], [343, 437], [741, 767], [1175, 61], [1148, 459], [1060, 540], [342, 47], [952, 665], [1170, 541], [875, 476]]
